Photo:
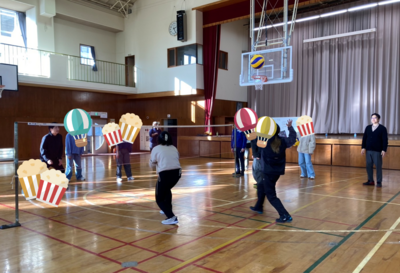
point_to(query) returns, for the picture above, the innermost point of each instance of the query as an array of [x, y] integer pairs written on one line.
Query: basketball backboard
[[277, 67], [9, 77]]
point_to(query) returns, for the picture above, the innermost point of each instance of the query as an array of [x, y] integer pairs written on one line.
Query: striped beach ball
[[77, 122], [257, 61]]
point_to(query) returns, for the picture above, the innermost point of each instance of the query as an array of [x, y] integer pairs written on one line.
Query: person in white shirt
[[166, 158]]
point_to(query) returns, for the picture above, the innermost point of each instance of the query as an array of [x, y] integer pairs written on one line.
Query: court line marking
[[352, 232], [230, 242], [376, 247], [351, 198]]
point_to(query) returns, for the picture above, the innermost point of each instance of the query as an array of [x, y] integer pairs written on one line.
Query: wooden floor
[[339, 225]]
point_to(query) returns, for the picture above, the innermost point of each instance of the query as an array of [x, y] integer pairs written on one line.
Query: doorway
[[130, 71], [96, 141]]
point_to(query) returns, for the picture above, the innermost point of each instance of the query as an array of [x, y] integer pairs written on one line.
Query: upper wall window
[[185, 55], [86, 55], [10, 28], [223, 60]]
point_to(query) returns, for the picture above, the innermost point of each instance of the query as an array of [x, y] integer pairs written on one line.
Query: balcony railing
[[37, 63]]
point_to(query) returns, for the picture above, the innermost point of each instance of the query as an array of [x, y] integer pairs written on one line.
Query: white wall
[[69, 35], [234, 40], [146, 36]]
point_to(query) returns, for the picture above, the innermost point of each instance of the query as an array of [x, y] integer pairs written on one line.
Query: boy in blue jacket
[[73, 154], [241, 141]]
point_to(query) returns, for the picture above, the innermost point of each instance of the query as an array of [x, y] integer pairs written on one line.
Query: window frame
[[176, 55], [226, 60], [80, 56]]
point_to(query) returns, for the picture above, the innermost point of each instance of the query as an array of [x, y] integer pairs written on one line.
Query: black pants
[[239, 160], [267, 188], [123, 159], [56, 165], [166, 181]]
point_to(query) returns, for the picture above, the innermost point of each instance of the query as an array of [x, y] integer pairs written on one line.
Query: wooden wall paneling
[[340, 155], [392, 158], [322, 155], [188, 148], [356, 158], [210, 149], [292, 155], [226, 150]]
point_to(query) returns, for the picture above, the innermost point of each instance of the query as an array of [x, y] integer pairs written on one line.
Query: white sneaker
[[161, 212], [131, 178], [119, 179], [302, 176], [170, 221]]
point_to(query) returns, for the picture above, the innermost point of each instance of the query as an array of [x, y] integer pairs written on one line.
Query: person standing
[[305, 149], [154, 133], [241, 141], [273, 160], [246, 155], [51, 149], [123, 159], [166, 158], [73, 154], [374, 145]]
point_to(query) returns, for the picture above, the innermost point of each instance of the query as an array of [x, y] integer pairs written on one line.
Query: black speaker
[[181, 23]]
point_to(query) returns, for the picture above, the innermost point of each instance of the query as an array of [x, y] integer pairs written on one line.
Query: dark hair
[[165, 138], [276, 143], [52, 126], [377, 115]]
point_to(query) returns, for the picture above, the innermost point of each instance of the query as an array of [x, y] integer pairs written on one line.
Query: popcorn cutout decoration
[[130, 125], [305, 126], [78, 122], [29, 177], [266, 128], [53, 185], [112, 134], [246, 122]]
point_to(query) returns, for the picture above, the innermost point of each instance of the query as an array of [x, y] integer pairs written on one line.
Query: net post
[[234, 145], [16, 224]]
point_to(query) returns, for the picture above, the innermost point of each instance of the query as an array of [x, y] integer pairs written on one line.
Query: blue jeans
[[75, 158], [306, 166]]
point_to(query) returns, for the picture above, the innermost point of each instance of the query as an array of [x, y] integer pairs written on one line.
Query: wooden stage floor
[[339, 225]]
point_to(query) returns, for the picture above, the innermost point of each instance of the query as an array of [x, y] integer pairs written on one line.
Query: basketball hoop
[[259, 79], [2, 87]]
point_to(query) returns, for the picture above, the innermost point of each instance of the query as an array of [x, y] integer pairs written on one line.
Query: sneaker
[[302, 176], [119, 179], [171, 221], [311, 178], [258, 211], [284, 219], [131, 178], [81, 179], [369, 183], [241, 174], [161, 212], [235, 174], [379, 185]]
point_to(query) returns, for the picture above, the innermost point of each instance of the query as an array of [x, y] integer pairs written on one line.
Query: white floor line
[[375, 249]]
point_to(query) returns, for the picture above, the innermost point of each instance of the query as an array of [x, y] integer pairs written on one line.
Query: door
[[96, 141], [130, 71]]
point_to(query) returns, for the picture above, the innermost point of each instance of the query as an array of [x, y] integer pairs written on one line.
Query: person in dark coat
[[374, 143], [123, 159], [256, 168], [241, 141], [273, 161], [51, 149]]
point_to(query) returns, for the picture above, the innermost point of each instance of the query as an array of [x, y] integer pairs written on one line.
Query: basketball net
[[259, 80]]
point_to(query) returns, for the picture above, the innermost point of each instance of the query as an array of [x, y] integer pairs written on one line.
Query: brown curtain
[[341, 82]]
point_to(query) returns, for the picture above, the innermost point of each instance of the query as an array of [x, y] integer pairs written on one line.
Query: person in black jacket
[[51, 149], [257, 173], [375, 142], [273, 161]]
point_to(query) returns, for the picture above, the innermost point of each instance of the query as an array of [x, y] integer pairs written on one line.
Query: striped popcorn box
[[130, 125], [112, 134], [306, 129], [29, 177], [53, 185]]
